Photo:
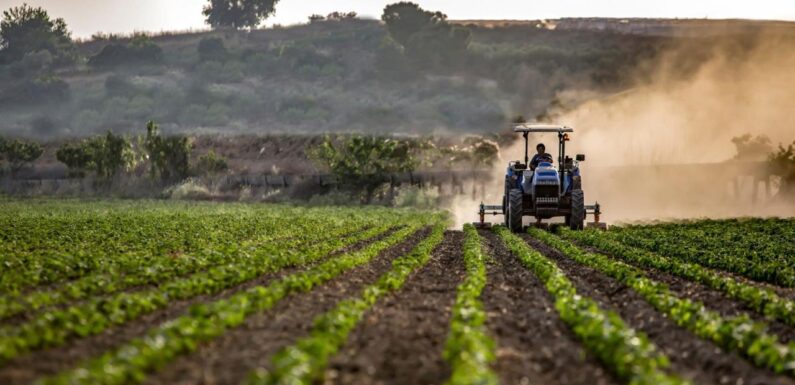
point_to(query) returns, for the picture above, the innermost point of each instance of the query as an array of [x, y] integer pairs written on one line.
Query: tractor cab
[[552, 189]]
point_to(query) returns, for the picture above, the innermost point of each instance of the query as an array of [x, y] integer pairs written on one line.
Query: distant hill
[[337, 76]]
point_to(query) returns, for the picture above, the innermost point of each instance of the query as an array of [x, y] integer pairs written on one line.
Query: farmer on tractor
[[540, 156]]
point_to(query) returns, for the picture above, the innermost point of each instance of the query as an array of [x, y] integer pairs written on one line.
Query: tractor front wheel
[[577, 218], [515, 210]]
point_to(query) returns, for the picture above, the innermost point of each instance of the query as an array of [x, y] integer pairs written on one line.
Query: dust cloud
[[657, 151]]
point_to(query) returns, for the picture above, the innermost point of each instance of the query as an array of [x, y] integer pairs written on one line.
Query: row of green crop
[[624, 351], [54, 327], [305, 361], [469, 349], [47, 244], [150, 272], [759, 249], [760, 299], [43, 248], [735, 334], [131, 362]]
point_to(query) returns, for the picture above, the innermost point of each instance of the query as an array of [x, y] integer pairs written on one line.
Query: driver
[[541, 156]]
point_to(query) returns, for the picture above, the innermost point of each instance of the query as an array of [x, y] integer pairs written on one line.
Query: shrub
[[106, 155], [44, 89], [169, 157], [212, 49], [211, 163], [364, 162], [140, 50]]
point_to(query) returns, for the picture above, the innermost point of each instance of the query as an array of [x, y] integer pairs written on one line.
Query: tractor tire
[[577, 218], [505, 208], [515, 210]]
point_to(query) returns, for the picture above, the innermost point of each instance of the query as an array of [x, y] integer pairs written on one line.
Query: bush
[[106, 155], [169, 157], [364, 162], [42, 90], [212, 49], [211, 164], [140, 50]]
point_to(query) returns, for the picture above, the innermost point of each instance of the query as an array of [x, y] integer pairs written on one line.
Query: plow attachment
[[484, 209]]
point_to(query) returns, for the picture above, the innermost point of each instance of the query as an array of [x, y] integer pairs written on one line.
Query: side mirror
[[581, 157]]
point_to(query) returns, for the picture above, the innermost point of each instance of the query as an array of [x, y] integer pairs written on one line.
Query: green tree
[[782, 163], [404, 19], [19, 153], [77, 157], [237, 14], [27, 29], [752, 148], [365, 162], [106, 155], [426, 36], [169, 157]]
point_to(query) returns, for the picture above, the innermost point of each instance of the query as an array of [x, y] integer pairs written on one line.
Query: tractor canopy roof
[[541, 127]]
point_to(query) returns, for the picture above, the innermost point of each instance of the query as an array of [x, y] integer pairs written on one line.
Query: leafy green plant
[[469, 349], [734, 334], [760, 299], [755, 248], [203, 323], [626, 352], [54, 327], [304, 362]]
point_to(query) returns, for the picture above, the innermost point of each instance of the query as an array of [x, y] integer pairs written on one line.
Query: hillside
[[340, 76]]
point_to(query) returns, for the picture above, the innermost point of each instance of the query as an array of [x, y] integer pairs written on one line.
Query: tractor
[[545, 192]]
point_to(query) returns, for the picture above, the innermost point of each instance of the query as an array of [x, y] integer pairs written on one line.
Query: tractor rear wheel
[[515, 210], [577, 218], [505, 208]]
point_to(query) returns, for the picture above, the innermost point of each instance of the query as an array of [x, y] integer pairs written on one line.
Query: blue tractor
[[544, 192]]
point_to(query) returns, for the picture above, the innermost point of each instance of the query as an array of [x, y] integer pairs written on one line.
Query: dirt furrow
[[692, 357], [534, 345], [714, 300], [26, 368], [401, 339], [230, 358]]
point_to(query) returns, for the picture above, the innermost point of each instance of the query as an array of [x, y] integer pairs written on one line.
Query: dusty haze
[[631, 139]]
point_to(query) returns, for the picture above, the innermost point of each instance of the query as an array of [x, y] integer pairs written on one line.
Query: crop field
[[157, 292]]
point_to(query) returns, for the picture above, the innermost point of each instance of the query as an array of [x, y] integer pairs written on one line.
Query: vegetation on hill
[[414, 72]]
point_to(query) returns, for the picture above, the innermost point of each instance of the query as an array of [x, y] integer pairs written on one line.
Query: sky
[[85, 17]]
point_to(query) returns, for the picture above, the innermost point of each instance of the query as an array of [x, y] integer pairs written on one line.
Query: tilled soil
[[401, 339], [713, 299], [692, 357], [534, 345], [25, 369], [231, 357]]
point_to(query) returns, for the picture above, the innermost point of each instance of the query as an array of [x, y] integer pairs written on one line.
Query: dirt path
[[401, 339], [534, 345], [230, 358], [692, 357], [714, 300], [24, 369]]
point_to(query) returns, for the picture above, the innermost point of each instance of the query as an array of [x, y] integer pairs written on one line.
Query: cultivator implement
[[484, 209]]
